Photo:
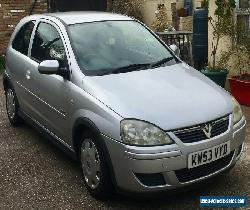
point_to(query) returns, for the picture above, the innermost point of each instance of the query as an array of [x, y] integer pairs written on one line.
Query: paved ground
[[36, 175]]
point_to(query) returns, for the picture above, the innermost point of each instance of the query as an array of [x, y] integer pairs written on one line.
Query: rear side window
[[48, 45], [22, 38]]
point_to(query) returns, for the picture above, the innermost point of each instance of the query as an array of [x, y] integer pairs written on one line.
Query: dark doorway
[[78, 5]]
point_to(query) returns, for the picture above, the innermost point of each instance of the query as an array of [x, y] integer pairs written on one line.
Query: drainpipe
[[32, 7]]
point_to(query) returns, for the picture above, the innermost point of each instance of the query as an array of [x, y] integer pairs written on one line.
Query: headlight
[[237, 112], [137, 132]]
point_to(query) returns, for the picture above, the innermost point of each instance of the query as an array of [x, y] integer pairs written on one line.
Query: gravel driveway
[[36, 175]]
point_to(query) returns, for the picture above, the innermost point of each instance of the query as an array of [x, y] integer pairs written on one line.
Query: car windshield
[[117, 46]]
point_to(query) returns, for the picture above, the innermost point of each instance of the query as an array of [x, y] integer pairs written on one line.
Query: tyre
[[12, 107], [94, 167]]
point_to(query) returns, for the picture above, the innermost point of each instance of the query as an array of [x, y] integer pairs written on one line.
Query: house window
[[243, 12], [244, 4]]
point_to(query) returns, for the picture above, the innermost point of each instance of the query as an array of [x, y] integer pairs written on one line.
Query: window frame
[[54, 25], [30, 39], [242, 12]]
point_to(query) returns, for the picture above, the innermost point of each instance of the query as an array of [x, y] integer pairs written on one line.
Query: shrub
[[130, 8], [222, 24], [238, 55], [161, 22]]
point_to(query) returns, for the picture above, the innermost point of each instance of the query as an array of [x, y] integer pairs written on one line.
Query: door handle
[[27, 74]]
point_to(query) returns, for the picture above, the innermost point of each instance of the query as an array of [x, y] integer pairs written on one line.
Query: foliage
[[2, 63], [161, 22], [236, 59], [238, 54], [223, 24], [130, 8]]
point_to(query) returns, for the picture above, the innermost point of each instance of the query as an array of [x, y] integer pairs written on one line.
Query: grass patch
[[2, 63]]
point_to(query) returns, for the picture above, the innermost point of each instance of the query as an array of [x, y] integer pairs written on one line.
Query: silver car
[[110, 93]]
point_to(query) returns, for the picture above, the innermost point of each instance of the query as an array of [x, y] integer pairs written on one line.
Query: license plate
[[208, 155]]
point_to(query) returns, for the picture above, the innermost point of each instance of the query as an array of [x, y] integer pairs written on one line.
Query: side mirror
[[175, 49], [48, 67]]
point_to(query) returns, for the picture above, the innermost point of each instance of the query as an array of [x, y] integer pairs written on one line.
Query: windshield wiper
[[135, 67], [128, 68], [162, 61]]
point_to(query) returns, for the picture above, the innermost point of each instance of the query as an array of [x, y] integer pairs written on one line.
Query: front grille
[[186, 175], [194, 134], [156, 179]]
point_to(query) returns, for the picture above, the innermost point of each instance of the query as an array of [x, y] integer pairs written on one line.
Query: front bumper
[[158, 168]]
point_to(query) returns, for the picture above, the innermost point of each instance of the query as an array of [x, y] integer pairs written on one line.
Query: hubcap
[[10, 101], [90, 163]]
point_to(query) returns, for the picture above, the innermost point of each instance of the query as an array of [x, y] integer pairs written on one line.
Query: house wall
[[10, 14], [196, 3], [150, 6]]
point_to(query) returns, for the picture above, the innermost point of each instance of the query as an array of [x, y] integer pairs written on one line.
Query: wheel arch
[[82, 124], [6, 81]]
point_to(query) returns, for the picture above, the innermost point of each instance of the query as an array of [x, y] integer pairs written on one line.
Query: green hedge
[[2, 63]]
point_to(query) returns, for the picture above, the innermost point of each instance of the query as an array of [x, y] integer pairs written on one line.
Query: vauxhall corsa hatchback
[[109, 92]]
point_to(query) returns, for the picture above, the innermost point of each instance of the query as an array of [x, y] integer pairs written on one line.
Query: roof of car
[[88, 16]]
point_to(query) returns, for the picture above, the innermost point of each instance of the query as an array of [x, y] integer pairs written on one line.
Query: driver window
[[47, 45]]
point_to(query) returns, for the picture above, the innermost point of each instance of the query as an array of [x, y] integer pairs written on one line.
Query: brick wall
[[11, 11]]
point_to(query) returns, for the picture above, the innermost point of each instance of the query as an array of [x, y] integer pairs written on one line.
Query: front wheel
[[94, 166], [12, 107]]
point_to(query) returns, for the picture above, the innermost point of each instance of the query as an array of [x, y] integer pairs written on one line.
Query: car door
[[16, 64], [50, 92]]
